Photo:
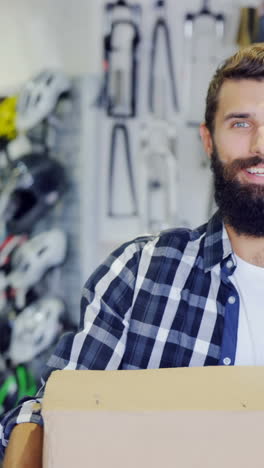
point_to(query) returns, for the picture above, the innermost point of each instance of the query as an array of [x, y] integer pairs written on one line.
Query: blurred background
[[100, 105]]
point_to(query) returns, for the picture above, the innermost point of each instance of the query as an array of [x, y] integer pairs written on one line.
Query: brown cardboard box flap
[[201, 388], [210, 417]]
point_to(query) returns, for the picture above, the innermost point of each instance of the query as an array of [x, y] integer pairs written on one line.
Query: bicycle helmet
[[39, 97], [35, 184], [8, 247], [33, 259], [8, 129], [14, 385], [35, 329]]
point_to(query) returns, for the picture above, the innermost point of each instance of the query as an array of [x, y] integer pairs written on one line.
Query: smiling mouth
[[253, 175], [257, 171]]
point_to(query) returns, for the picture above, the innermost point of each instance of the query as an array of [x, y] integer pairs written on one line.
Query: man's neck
[[250, 249]]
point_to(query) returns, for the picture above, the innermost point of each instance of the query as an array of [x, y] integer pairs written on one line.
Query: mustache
[[231, 169]]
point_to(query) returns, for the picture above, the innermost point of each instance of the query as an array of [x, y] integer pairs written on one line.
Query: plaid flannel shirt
[[157, 301]]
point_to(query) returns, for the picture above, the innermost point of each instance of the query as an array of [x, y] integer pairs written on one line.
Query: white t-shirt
[[249, 282]]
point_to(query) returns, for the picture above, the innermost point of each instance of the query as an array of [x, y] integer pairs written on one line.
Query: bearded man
[[181, 297]]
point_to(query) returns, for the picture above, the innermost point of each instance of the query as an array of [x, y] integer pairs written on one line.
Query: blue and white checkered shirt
[[157, 301]]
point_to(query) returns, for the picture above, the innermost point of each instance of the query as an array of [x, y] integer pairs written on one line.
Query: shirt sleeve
[[100, 342]]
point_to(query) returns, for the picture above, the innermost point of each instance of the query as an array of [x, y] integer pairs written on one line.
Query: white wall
[[35, 34]]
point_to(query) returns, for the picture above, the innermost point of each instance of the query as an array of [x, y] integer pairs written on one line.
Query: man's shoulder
[[162, 244], [177, 237], [145, 251], [183, 233]]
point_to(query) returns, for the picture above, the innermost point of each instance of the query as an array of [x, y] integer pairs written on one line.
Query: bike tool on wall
[[158, 139], [160, 170], [204, 55], [161, 33], [119, 136], [121, 44], [191, 18]]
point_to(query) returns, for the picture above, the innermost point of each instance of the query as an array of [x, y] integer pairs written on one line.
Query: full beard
[[241, 205]]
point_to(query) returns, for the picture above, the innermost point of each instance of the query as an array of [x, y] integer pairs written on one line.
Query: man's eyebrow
[[237, 115]]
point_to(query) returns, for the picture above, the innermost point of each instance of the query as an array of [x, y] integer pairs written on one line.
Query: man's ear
[[206, 139]]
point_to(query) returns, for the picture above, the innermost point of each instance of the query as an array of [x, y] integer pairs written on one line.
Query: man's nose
[[257, 143]]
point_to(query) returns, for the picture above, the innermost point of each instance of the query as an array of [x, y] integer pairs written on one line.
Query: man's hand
[[25, 447]]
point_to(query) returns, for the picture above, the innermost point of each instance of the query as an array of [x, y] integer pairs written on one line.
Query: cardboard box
[[166, 418]]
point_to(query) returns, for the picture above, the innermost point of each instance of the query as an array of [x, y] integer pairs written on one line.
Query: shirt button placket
[[231, 300]]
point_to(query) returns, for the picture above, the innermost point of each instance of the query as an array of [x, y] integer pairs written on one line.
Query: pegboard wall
[[65, 281]]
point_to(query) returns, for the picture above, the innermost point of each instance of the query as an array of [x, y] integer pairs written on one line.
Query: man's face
[[237, 154]]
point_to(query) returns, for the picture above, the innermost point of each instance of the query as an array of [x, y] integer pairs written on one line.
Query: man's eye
[[241, 125]]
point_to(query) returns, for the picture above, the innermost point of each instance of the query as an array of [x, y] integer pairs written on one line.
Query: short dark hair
[[247, 63]]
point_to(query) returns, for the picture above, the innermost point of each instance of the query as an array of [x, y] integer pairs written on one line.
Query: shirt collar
[[217, 245]]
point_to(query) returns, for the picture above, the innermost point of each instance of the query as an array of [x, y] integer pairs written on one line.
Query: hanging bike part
[[161, 174], [190, 19], [202, 58], [120, 63], [161, 29], [121, 130], [260, 32], [248, 26]]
